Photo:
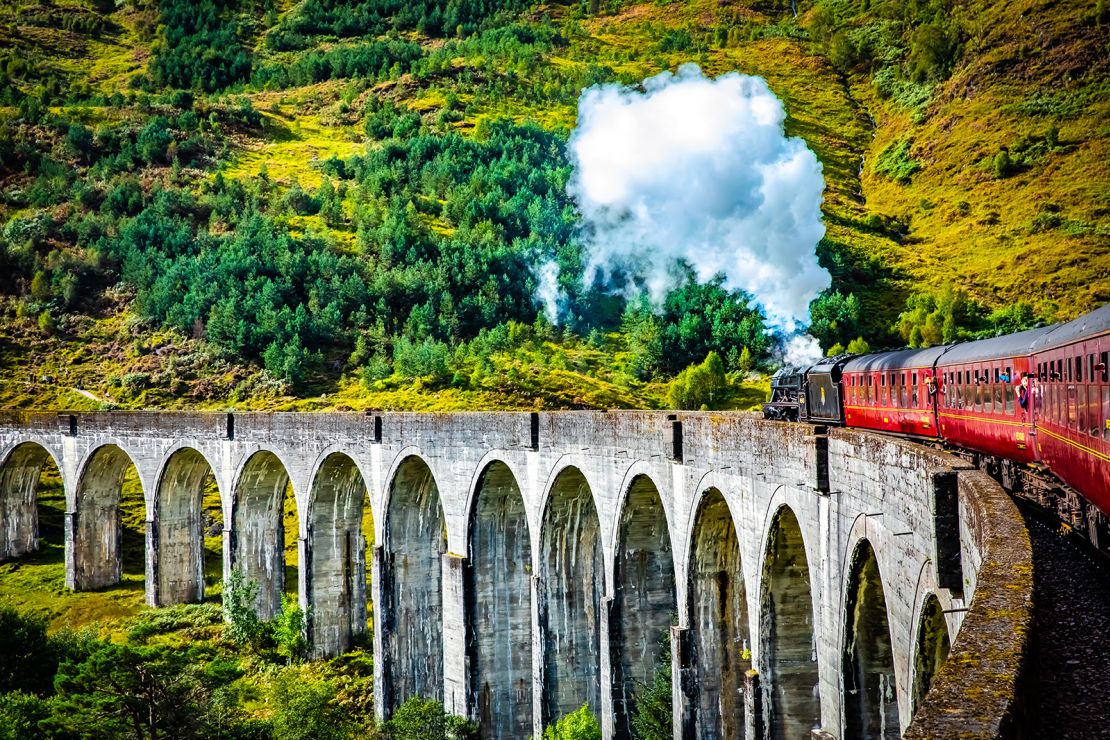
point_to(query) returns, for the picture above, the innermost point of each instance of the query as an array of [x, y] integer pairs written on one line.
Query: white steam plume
[[700, 170], [548, 293], [801, 350]]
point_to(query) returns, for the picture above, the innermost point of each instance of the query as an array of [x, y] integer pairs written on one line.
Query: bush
[[240, 597], [27, 658], [580, 724], [306, 709], [699, 386], [895, 161], [418, 719], [289, 630], [20, 714]]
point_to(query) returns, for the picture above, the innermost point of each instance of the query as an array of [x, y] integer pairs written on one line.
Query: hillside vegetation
[[343, 203]]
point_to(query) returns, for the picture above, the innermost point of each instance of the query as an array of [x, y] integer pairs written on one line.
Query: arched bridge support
[[524, 565]]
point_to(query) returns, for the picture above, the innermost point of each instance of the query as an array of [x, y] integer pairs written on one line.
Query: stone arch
[[412, 586], [178, 558], [932, 647], [20, 471], [96, 524], [788, 640], [258, 530], [335, 564], [643, 597], [572, 591], [870, 686], [499, 605], [718, 620]]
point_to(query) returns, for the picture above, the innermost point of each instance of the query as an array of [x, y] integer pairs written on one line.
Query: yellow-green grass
[[35, 583]]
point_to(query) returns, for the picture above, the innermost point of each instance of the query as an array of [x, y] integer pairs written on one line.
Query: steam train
[[1032, 409]]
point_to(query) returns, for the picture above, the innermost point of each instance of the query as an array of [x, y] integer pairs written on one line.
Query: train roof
[[1088, 325], [997, 348], [898, 360]]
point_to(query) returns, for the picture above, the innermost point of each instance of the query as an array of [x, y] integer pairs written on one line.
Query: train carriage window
[[998, 397], [1091, 368], [1106, 412], [1008, 390], [977, 395], [1079, 369], [915, 396], [969, 393], [1079, 418], [1071, 374], [1104, 360], [1094, 411]]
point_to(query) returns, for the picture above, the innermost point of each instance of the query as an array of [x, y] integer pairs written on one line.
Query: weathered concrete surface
[[500, 607], [789, 652], [976, 693], [644, 599], [592, 537]]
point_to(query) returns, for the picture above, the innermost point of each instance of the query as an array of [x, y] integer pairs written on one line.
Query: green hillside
[[336, 203]]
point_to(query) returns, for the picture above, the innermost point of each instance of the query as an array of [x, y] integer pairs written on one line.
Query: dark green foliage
[[27, 657], [653, 710], [200, 48], [307, 710], [352, 18], [120, 690], [834, 318], [373, 60], [699, 318], [896, 162], [948, 316], [20, 714], [419, 719]]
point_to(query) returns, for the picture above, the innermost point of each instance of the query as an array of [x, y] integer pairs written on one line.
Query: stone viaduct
[[800, 580]]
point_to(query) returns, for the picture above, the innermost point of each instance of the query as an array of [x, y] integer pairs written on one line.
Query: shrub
[[289, 630], [580, 724], [240, 597], [895, 161], [419, 719], [306, 709], [27, 661], [699, 386]]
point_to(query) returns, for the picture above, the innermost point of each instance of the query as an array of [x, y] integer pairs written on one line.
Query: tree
[[240, 597], [27, 658], [699, 386], [858, 346], [653, 711], [580, 724], [419, 719], [148, 692], [306, 709]]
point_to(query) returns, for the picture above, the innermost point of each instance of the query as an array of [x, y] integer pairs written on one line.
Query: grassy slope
[[965, 225]]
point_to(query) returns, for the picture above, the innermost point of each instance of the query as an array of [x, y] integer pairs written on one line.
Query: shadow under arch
[[870, 688], [643, 597], [932, 648], [335, 567], [499, 606], [96, 523], [789, 650], [412, 586], [258, 531], [718, 620], [180, 527], [20, 472], [572, 589]]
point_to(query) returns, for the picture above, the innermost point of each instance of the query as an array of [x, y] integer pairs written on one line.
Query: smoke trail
[[699, 170], [548, 293]]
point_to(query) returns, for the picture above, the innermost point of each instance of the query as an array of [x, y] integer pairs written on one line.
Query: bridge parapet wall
[[870, 532]]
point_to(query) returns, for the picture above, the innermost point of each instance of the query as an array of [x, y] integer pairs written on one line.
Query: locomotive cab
[[823, 390], [787, 398]]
